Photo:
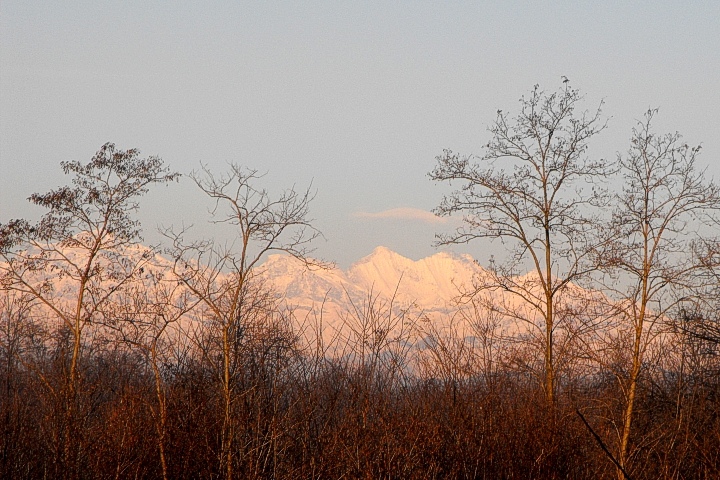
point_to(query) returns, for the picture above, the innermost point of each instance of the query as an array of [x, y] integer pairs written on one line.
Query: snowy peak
[[431, 283], [381, 271], [383, 255], [278, 265], [301, 285]]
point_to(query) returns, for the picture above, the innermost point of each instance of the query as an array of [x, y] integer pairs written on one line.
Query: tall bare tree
[[75, 259], [223, 277], [659, 217], [532, 189]]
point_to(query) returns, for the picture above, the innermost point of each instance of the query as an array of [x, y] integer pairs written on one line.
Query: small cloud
[[404, 213]]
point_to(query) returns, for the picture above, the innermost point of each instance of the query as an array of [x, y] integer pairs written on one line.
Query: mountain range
[[381, 287], [428, 285]]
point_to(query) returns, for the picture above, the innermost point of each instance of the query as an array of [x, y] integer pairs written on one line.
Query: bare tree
[[223, 277], [375, 336], [17, 328], [146, 318], [531, 190], [658, 220], [75, 259]]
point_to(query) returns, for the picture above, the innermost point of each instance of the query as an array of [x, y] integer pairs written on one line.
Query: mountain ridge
[[429, 284]]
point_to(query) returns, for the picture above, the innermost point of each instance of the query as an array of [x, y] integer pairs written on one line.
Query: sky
[[352, 99]]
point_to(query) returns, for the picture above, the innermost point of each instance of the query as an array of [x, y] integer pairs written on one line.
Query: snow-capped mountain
[[429, 290], [428, 285], [384, 288]]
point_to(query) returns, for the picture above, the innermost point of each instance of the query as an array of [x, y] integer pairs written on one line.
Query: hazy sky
[[356, 97]]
